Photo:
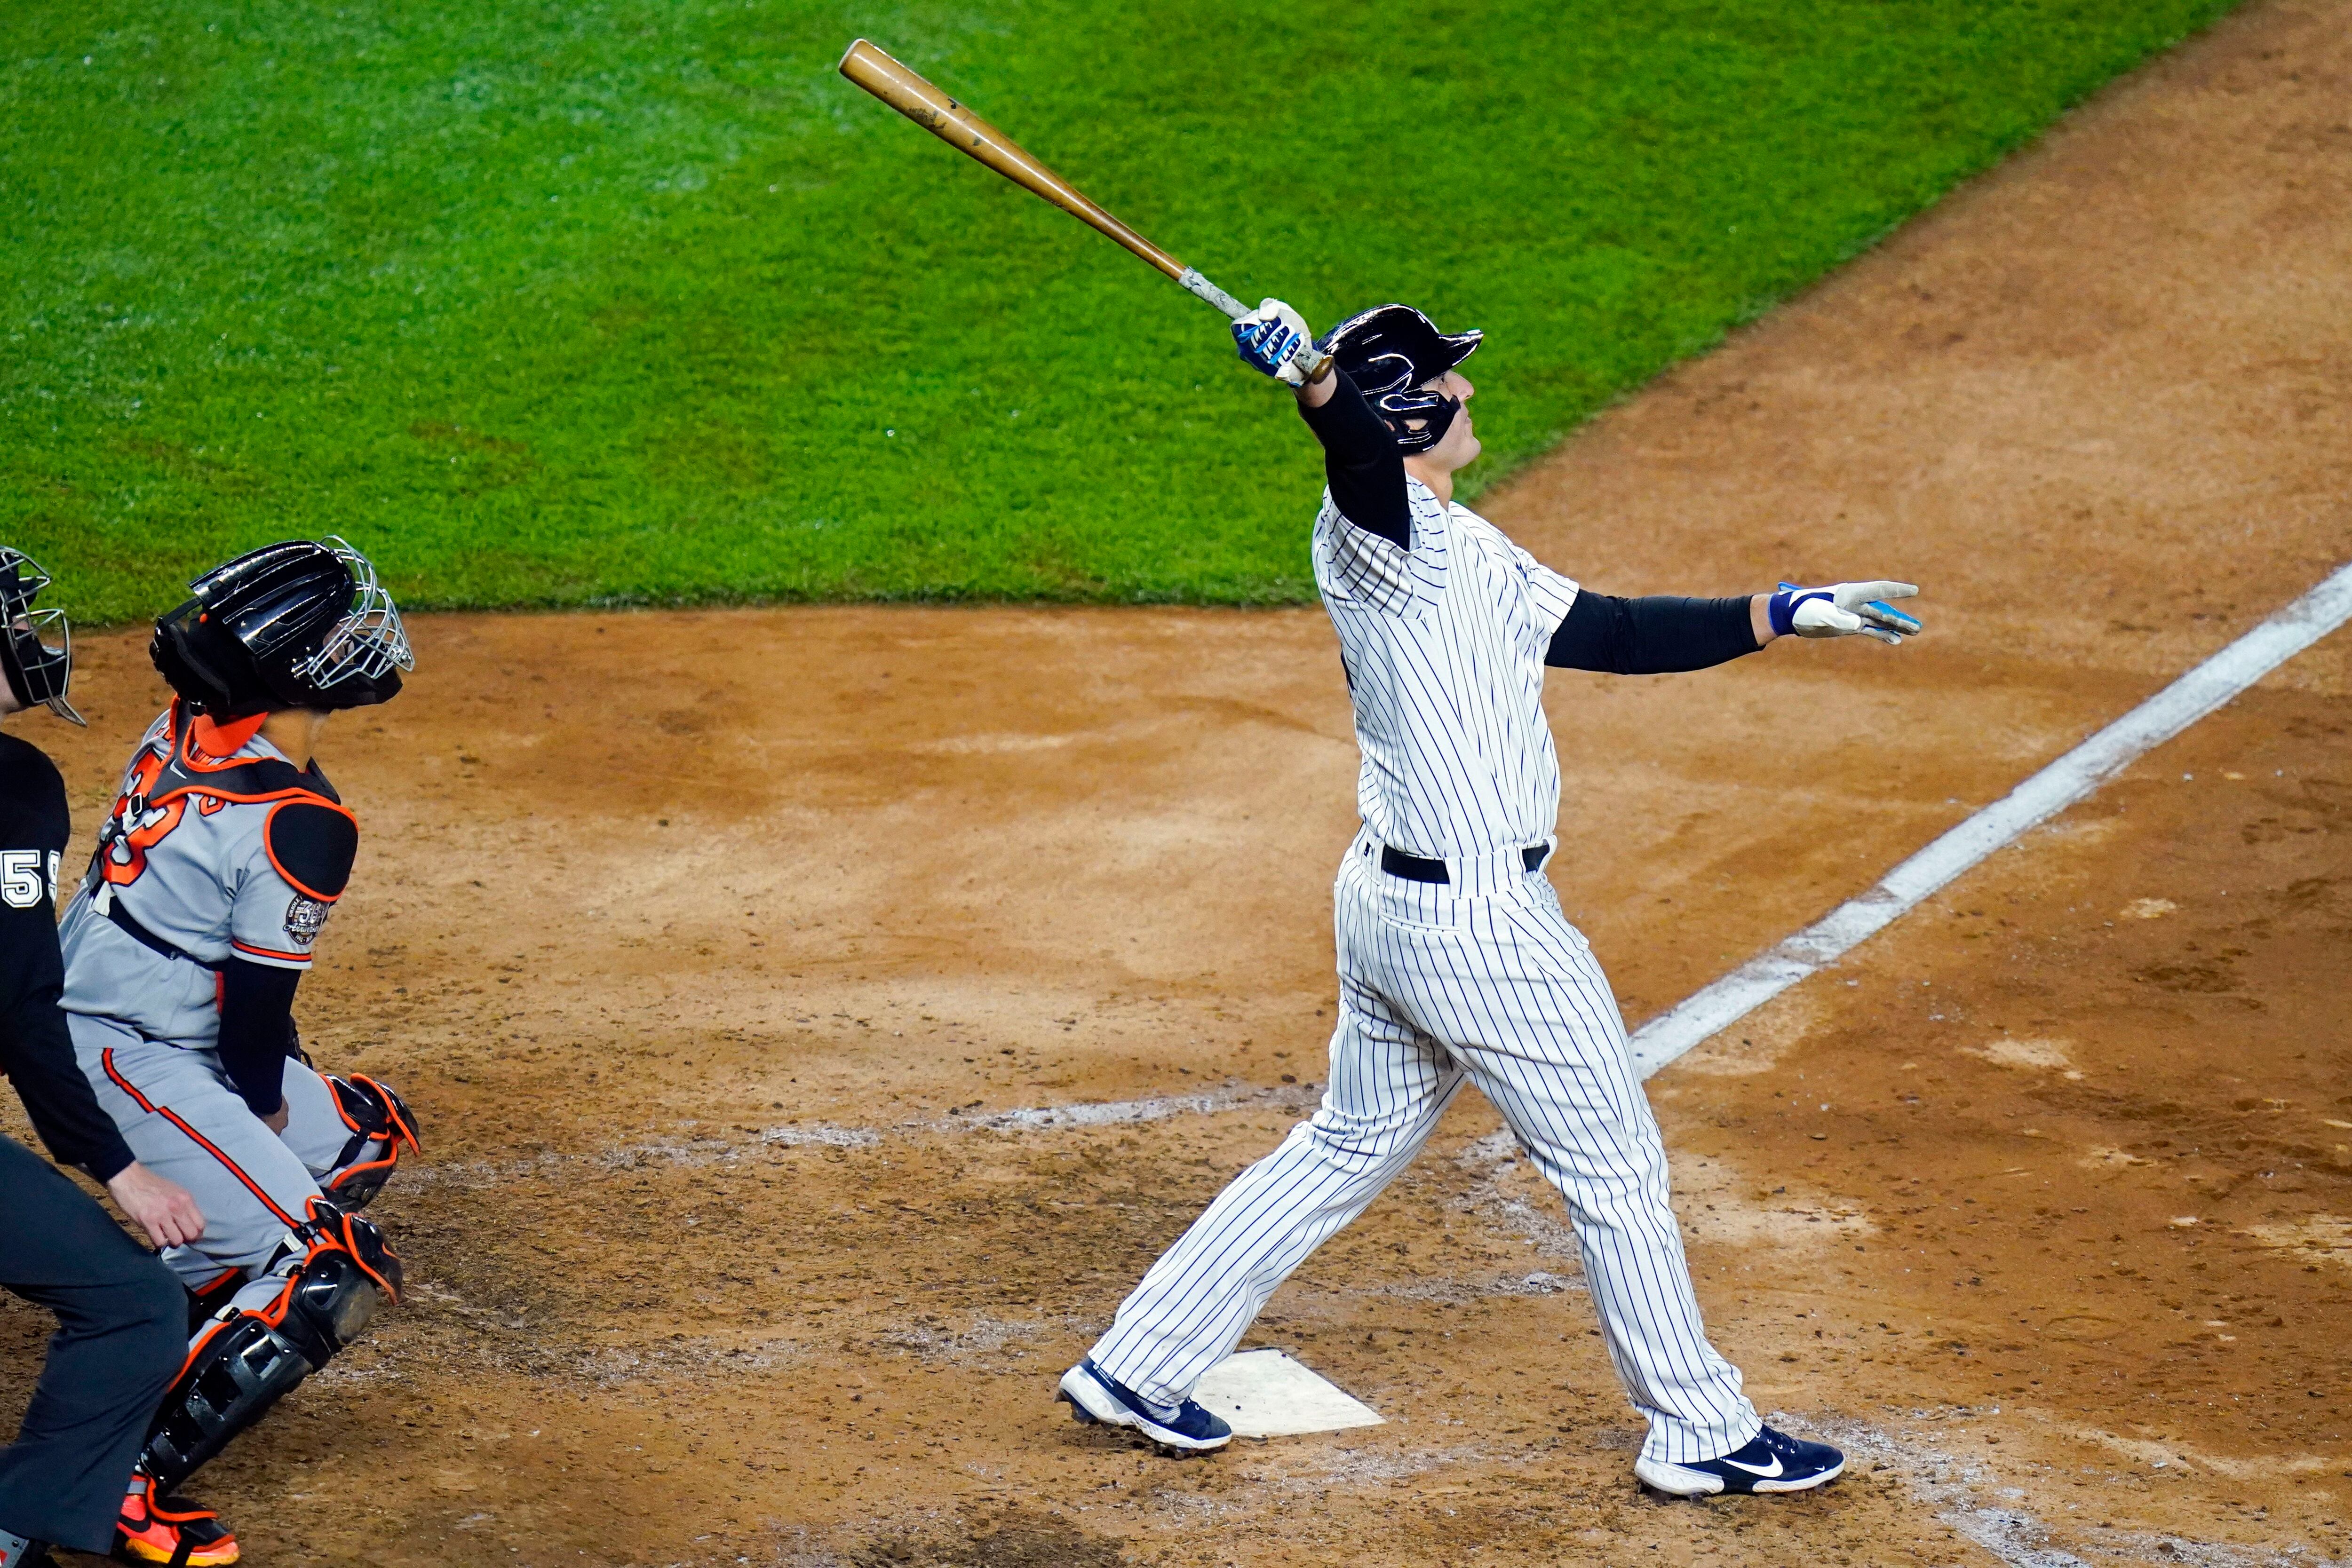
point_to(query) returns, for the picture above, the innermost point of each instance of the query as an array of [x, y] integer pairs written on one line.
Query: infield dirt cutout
[[820, 1016]]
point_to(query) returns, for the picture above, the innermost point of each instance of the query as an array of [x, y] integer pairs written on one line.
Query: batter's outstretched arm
[[1360, 458], [1663, 635], [1656, 636]]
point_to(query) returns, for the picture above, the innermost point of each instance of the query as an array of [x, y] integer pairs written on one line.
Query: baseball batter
[[1455, 963], [214, 872]]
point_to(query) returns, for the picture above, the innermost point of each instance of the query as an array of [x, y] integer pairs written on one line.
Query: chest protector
[[180, 768]]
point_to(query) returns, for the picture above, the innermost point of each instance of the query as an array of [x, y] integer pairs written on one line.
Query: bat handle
[[1193, 282], [1308, 359]]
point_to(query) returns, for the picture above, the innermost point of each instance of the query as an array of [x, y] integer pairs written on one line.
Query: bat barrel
[[907, 91]]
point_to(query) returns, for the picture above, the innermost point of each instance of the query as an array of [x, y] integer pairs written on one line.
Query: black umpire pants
[[123, 1330]]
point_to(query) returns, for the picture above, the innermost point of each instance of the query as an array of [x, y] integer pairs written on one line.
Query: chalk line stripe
[[2071, 777]]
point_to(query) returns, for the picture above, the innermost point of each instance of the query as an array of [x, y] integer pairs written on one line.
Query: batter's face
[[1458, 447]]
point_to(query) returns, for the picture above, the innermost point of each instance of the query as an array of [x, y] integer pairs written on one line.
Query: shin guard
[[336, 1273]]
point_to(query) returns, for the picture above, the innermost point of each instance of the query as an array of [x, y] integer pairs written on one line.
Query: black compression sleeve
[[1362, 462], [256, 1031], [36, 1052], [1654, 637]]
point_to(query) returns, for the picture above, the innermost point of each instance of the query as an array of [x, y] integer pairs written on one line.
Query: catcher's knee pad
[[381, 1122], [336, 1273]]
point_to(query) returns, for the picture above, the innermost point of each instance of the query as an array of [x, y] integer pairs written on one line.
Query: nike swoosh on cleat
[[1758, 1469]]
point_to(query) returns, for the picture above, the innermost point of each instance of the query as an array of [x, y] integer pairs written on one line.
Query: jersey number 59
[[23, 884]]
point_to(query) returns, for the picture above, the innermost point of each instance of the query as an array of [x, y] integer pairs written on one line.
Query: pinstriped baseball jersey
[[1476, 978], [208, 874], [1444, 644]]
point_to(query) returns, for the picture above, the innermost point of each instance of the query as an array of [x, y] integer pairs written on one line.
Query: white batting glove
[[1268, 338], [1844, 611]]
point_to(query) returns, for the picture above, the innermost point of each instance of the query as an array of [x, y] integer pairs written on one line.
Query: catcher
[[214, 872]]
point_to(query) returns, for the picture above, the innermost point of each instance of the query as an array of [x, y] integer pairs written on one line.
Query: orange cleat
[[170, 1530]]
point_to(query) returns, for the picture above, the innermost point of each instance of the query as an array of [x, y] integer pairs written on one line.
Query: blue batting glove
[[1269, 337], [1842, 611]]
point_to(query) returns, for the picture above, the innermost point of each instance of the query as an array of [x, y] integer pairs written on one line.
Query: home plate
[[1264, 1394]]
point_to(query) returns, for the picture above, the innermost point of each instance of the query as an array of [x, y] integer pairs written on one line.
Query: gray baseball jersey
[[208, 856], [219, 851]]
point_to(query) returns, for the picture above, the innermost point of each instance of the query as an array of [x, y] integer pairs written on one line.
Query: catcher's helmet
[[36, 646], [294, 625], [1390, 352]]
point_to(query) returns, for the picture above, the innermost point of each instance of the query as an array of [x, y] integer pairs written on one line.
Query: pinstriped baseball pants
[[1438, 988]]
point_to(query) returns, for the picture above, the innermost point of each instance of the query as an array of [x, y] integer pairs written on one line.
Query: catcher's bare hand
[[163, 1210]]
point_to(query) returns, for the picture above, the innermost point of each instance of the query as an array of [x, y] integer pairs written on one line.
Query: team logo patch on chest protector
[[305, 918]]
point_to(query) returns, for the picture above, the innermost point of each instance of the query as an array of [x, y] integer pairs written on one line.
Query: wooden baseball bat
[[906, 90]]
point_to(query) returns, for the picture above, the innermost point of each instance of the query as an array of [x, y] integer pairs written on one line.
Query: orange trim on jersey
[[303, 958], [207, 739], [214, 1283], [148, 765], [270, 848], [194, 749], [106, 1058], [230, 797], [137, 842]]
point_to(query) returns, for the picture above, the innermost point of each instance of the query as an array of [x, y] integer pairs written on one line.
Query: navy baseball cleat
[[1772, 1461], [1093, 1397]]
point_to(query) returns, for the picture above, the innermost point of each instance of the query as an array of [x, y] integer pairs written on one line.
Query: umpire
[[122, 1318]]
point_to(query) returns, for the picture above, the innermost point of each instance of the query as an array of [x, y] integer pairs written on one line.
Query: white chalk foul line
[[2059, 785]]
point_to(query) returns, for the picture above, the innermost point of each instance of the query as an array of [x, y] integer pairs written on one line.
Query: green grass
[[548, 304]]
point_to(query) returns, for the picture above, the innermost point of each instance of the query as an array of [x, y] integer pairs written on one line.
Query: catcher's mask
[[36, 646], [300, 623], [1391, 352]]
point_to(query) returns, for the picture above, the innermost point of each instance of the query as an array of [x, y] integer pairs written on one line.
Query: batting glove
[[1844, 611], [1268, 338]]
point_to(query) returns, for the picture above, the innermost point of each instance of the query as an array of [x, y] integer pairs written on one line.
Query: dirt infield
[[819, 1017]]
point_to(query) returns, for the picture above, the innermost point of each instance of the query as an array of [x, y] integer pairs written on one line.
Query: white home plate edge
[[2071, 777], [1264, 1394]]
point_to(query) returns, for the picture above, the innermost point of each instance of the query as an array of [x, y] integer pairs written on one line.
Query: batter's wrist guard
[[338, 1274], [1780, 609]]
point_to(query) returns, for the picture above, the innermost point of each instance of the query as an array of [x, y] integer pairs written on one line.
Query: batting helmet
[[36, 646], [1391, 352], [294, 625]]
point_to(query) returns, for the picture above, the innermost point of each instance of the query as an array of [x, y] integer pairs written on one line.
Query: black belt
[[1412, 868], [131, 927]]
